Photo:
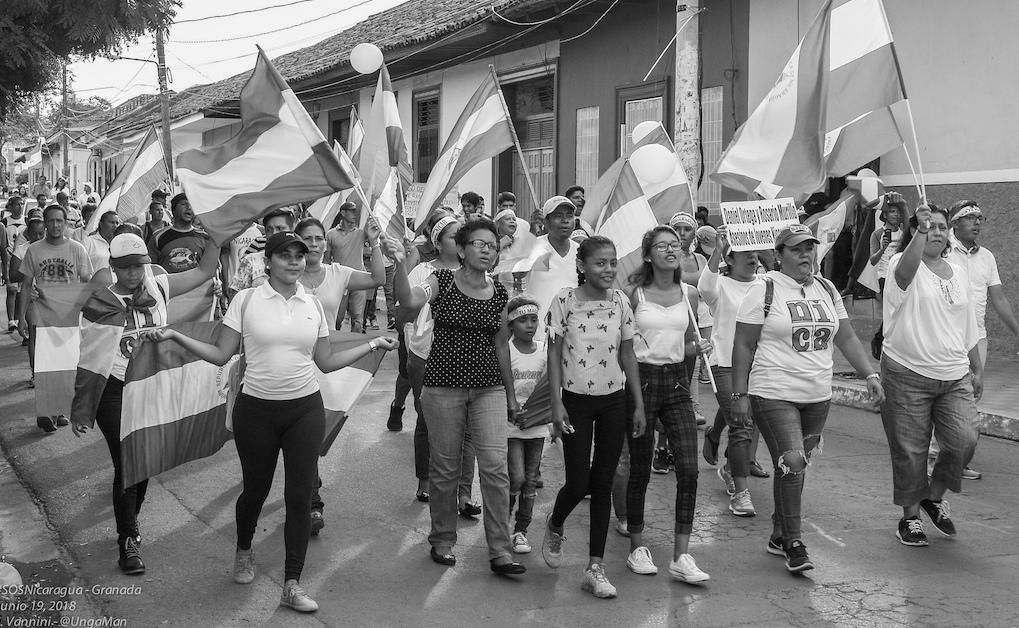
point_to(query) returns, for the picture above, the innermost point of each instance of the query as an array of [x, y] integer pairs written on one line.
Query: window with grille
[[709, 194], [426, 135], [587, 146], [640, 103]]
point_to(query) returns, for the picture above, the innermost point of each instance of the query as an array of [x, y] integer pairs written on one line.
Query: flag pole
[[916, 145], [697, 333], [516, 141]]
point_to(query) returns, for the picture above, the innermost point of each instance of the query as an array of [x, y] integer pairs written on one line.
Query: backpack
[[769, 291]]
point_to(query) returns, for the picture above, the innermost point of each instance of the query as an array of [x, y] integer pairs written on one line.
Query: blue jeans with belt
[[450, 412], [914, 407], [789, 428]]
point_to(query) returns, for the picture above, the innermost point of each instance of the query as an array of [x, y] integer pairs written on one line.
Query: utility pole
[[164, 98], [688, 92], [65, 171]]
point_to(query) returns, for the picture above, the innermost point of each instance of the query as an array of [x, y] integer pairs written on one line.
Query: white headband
[[437, 229], [523, 310], [969, 210], [682, 218], [504, 214]]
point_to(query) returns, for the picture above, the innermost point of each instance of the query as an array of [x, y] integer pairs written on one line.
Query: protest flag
[[828, 224], [354, 140], [342, 389], [131, 191], [278, 157], [326, 208], [57, 344], [389, 171], [481, 132], [625, 218], [665, 198], [537, 410], [174, 405]]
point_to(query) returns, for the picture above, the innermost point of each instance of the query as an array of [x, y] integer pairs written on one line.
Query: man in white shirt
[[88, 197], [560, 216]]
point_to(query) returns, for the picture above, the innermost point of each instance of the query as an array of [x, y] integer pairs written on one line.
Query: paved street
[[370, 565]]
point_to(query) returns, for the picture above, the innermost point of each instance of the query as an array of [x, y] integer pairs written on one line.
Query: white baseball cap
[[555, 203], [128, 249]]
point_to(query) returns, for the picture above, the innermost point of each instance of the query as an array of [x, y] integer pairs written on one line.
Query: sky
[[299, 25]]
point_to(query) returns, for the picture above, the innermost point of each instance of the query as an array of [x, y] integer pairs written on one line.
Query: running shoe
[[740, 504], [520, 544], [725, 476], [971, 474], [597, 583], [395, 422], [796, 559], [660, 463], [61, 420], [317, 522], [940, 515], [775, 547], [640, 562], [47, 424], [910, 532], [552, 545], [294, 597], [686, 570], [244, 566], [12, 326]]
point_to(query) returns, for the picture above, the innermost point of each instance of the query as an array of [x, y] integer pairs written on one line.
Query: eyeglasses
[[975, 218], [482, 245], [662, 247]]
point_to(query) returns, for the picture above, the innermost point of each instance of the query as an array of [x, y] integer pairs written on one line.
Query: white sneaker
[[725, 476], [639, 561], [294, 597], [244, 566], [740, 504], [595, 582], [686, 570], [621, 528], [552, 546], [520, 544]]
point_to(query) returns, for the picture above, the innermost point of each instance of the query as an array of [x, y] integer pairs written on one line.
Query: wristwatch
[[372, 347], [737, 396]]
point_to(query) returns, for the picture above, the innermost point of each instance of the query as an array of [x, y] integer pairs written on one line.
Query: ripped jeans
[[789, 429]]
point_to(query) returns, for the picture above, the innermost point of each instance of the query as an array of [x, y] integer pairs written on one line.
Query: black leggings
[[261, 428], [599, 420], [127, 502]]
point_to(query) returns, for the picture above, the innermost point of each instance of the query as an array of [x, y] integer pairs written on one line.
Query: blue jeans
[[450, 412], [793, 434], [524, 457], [737, 452], [914, 407]]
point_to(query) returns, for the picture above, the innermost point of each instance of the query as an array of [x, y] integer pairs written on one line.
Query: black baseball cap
[[279, 241]]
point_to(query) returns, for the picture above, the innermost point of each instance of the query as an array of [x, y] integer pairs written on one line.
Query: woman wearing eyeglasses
[[468, 385]]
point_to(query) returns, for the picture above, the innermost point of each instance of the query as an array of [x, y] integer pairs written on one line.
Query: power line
[[278, 30], [213, 17]]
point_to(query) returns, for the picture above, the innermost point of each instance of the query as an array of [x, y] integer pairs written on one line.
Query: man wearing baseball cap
[[346, 243], [560, 217]]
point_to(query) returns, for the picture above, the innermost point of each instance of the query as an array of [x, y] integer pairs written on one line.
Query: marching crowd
[[484, 357]]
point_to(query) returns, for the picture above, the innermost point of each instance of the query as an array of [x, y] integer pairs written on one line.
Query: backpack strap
[[769, 294], [828, 287]]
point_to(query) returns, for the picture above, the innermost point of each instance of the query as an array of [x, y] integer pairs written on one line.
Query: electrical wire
[[214, 17], [596, 22], [540, 22], [278, 30]]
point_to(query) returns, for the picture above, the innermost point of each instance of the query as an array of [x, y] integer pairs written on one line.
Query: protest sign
[[753, 225], [413, 197]]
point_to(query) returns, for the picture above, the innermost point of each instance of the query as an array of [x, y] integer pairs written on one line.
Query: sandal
[[443, 559], [710, 449], [758, 471]]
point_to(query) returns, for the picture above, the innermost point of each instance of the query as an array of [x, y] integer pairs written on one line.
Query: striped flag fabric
[[355, 140], [782, 142], [828, 225], [327, 207], [522, 256], [57, 345], [625, 218], [129, 195], [388, 210], [174, 406], [278, 157], [861, 141], [383, 146], [342, 389], [481, 132], [666, 198]]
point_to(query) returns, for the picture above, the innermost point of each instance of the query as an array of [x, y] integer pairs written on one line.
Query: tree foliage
[[38, 36]]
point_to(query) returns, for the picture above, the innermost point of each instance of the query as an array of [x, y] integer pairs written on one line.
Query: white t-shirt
[[982, 269], [98, 250], [794, 354], [929, 327], [723, 295], [543, 286], [330, 292], [237, 247], [279, 341], [528, 368]]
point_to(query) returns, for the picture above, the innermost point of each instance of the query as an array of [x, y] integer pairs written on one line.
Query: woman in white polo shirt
[[790, 384], [280, 407]]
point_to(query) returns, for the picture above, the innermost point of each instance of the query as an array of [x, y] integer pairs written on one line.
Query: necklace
[[310, 282]]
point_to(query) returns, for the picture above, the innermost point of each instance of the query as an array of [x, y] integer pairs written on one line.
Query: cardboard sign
[[753, 225], [413, 198]]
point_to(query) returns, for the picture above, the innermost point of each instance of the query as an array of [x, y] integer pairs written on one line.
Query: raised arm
[[188, 280], [411, 297], [912, 257]]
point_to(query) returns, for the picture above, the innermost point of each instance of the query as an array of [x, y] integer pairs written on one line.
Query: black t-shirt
[[177, 251]]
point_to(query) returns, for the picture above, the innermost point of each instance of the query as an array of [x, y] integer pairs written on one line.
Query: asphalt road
[[370, 565]]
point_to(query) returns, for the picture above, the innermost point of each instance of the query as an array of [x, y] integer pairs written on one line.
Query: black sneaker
[[939, 514], [395, 422], [47, 424], [317, 522], [775, 547], [796, 559], [660, 463], [130, 557], [910, 532], [62, 421]]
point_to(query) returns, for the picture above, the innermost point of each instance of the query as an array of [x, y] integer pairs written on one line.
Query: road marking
[[818, 529]]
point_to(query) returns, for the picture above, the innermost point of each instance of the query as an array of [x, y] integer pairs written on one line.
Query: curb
[[851, 393]]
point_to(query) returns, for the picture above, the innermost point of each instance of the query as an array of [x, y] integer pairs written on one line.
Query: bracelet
[[876, 376], [372, 347], [923, 232]]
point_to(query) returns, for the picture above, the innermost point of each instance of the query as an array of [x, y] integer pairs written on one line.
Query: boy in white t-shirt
[[524, 445]]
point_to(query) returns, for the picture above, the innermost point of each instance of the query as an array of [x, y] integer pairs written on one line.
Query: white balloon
[[866, 173], [643, 129], [366, 58], [653, 163]]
